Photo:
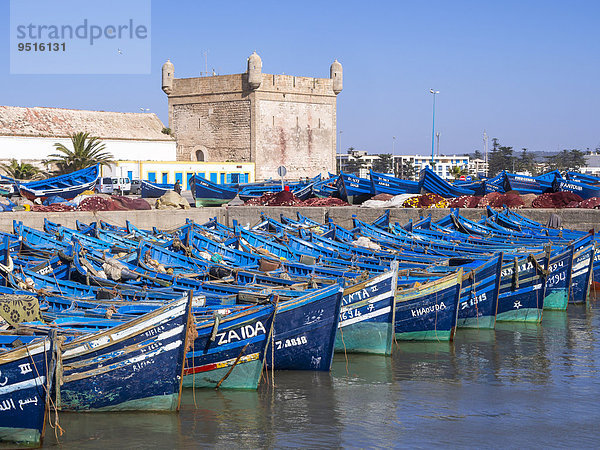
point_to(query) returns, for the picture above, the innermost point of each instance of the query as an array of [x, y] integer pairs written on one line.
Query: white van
[[104, 185], [121, 185]]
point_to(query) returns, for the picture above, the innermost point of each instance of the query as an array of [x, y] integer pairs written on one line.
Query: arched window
[[199, 155]]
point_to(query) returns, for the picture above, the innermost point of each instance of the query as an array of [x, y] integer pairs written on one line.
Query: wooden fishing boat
[[207, 193], [580, 188], [522, 290], [353, 189], [479, 295], [367, 315], [558, 282], [428, 312], [429, 181], [582, 271], [66, 186], [155, 190], [229, 352], [137, 365], [387, 184], [523, 184], [305, 330], [24, 385]]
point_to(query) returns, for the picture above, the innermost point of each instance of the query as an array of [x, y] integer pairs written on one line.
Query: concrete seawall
[[578, 219]]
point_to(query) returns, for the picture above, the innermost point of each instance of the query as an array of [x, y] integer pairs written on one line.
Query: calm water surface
[[517, 386]]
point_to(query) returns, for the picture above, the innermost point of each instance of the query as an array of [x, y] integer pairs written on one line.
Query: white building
[[442, 164], [183, 171], [29, 134], [592, 164], [477, 167]]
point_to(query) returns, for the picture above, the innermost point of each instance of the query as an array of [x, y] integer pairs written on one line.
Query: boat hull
[[428, 312], [367, 316], [479, 296], [582, 274], [23, 374], [558, 283], [521, 301], [134, 366], [304, 331], [234, 359]]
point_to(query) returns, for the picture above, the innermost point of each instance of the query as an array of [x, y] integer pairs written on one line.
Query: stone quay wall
[[578, 219]]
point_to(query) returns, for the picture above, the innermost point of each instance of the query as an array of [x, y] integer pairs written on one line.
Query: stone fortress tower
[[271, 120]]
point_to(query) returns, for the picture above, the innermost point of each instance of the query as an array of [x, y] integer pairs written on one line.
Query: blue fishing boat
[[305, 330], [582, 274], [428, 312], [207, 193], [558, 282], [522, 290], [137, 365], [580, 188], [353, 189], [479, 295], [583, 177], [24, 384], [155, 190], [429, 181], [66, 186], [387, 184], [229, 352], [367, 315], [524, 184]]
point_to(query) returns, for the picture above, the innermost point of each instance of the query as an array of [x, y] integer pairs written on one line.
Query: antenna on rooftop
[[205, 73], [485, 148]]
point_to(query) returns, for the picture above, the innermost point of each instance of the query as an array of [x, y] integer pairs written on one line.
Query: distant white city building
[[592, 164], [478, 166], [442, 164]]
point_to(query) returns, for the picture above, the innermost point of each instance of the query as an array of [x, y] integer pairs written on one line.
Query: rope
[[237, 360], [345, 355]]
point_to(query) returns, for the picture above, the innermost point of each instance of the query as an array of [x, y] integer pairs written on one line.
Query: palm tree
[[87, 151], [458, 172], [23, 171]]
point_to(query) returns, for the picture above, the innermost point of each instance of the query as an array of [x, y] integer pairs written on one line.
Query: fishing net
[[464, 201], [428, 200], [132, 203], [496, 200], [556, 200], [55, 207], [528, 200], [282, 198], [382, 197], [590, 203], [330, 201], [97, 203]]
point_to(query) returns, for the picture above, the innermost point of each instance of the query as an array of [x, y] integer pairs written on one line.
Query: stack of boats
[[130, 316], [355, 189], [348, 187]]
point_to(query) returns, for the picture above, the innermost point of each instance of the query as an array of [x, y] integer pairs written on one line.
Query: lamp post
[[340, 152], [433, 125]]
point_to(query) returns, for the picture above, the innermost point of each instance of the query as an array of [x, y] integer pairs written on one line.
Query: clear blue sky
[[525, 71]]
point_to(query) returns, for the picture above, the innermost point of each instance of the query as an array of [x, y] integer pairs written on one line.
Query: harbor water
[[519, 385]]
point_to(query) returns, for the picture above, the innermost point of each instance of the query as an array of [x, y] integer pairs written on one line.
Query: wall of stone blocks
[[296, 135], [220, 129]]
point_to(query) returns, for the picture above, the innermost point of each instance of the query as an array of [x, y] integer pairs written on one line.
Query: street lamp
[[433, 125], [393, 145], [340, 152]]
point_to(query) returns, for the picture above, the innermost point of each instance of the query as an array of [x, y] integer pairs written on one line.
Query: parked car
[[136, 187], [104, 185], [121, 185]]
